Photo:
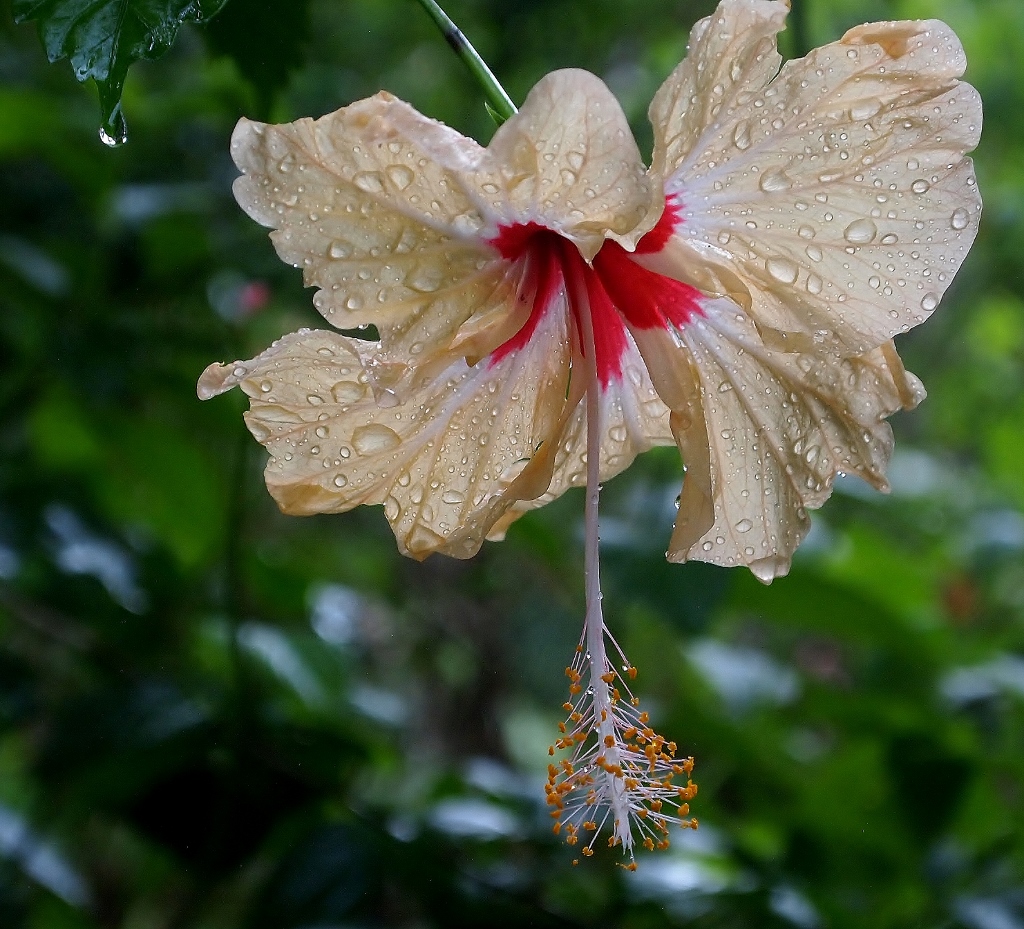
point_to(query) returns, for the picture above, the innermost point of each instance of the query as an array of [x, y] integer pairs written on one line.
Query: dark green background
[[213, 716]]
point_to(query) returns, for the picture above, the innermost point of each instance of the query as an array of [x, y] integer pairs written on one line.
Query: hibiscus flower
[[546, 308]]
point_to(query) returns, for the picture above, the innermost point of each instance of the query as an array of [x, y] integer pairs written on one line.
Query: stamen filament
[[593, 623], [620, 768]]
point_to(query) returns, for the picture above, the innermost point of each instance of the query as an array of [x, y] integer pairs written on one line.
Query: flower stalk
[[499, 103]]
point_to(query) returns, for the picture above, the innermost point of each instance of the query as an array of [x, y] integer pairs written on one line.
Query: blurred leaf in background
[[215, 716]]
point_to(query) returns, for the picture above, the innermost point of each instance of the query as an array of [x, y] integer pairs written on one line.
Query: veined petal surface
[[764, 433], [834, 201], [390, 213], [445, 464], [633, 419], [569, 163]]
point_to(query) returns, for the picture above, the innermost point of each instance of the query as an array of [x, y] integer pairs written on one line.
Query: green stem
[[499, 103]]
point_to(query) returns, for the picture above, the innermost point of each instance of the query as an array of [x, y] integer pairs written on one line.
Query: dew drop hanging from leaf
[[114, 130], [104, 38]]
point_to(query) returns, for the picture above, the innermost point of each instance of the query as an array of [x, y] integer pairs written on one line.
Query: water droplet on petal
[[959, 219], [400, 176], [814, 284], [782, 269], [929, 301], [453, 497], [744, 525], [426, 277], [741, 135], [347, 391], [920, 186], [369, 181], [806, 232], [468, 224], [340, 480], [773, 181], [865, 109], [861, 231], [375, 439]]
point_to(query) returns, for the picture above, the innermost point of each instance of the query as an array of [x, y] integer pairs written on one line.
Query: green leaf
[[104, 38]]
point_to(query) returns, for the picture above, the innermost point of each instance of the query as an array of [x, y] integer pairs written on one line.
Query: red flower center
[[615, 290]]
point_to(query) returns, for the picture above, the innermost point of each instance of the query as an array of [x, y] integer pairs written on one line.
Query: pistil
[[620, 768]]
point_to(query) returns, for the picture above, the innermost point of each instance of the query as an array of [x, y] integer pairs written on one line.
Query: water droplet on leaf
[[114, 130]]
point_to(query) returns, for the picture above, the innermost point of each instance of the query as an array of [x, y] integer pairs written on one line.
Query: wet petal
[[569, 162], [730, 56], [390, 213], [634, 419], [445, 465], [380, 207], [835, 201], [779, 426]]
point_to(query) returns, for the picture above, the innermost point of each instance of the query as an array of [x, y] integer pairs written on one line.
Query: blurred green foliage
[[215, 716]]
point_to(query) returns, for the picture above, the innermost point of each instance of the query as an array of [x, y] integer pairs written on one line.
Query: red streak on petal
[[513, 241], [610, 341], [617, 289], [539, 248], [646, 299], [654, 241]]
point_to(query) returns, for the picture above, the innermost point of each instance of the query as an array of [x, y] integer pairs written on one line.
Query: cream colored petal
[[389, 213], [445, 465], [633, 420], [763, 434], [381, 208], [836, 202], [730, 56], [569, 162]]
